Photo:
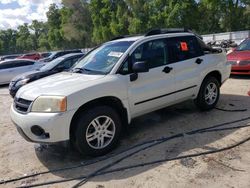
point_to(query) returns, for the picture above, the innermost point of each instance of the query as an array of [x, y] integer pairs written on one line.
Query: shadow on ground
[[166, 122]]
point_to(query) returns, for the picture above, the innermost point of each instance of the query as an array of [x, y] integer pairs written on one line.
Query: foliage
[[84, 23]]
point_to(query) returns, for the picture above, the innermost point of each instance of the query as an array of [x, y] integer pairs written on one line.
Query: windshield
[[245, 45], [102, 59], [51, 64]]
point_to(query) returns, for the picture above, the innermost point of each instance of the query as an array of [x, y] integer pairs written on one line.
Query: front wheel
[[98, 131], [209, 94]]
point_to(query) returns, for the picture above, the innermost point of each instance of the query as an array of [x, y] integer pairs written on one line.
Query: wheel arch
[[111, 101], [215, 74]]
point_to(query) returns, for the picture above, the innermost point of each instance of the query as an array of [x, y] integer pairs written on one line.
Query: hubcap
[[211, 93], [100, 132]]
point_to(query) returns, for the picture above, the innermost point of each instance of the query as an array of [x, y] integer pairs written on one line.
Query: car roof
[[70, 55], [136, 38], [8, 60]]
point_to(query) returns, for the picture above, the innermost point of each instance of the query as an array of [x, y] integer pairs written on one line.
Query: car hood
[[29, 74], [239, 55], [62, 84]]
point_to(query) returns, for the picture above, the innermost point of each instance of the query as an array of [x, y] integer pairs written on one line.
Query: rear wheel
[[98, 131], [209, 94]]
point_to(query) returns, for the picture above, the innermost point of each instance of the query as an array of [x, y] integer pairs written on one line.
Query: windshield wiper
[[80, 70]]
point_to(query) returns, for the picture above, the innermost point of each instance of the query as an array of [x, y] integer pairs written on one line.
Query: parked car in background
[[117, 82], [11, 68], [45, 54], [239, 58], [32, 56], [57, 54], [6, 57], [59, 64]]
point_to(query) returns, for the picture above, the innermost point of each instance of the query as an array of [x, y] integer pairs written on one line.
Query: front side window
[[52, 64], [65, 64], [102, 59], [153, 52]]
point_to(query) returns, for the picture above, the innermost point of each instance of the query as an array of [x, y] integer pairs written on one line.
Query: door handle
[[167, 69], [198, 61]]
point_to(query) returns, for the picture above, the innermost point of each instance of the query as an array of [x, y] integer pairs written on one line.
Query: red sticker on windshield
[[184, 46]]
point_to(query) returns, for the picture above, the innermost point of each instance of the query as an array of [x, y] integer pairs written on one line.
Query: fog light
[[36, 130]]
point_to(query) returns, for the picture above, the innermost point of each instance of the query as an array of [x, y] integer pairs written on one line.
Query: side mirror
[[140, 66]]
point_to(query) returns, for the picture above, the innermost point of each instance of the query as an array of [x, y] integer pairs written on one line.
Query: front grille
[[22, 105]]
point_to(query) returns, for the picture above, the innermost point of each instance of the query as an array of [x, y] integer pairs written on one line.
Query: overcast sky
[[16, 12]]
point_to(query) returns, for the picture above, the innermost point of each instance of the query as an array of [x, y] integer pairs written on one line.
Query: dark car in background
[[45, 54], [60, 64], [240, 58], [54, 55]]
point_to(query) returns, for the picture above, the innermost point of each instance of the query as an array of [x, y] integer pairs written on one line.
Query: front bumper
[[12, 89], [240, 69], [56, 125]]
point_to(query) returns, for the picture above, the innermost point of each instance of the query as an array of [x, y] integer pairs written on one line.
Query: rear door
[[20, 67], [186, 60], [6, 72], [154, 89]]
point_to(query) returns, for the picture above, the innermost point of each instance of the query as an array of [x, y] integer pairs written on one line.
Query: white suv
[[116, 82]]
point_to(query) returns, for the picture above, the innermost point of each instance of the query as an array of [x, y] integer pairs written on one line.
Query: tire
[[204, 100], [91, 137]]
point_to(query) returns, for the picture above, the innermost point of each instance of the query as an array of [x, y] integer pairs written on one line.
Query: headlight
[[50, 104], [22, 82]]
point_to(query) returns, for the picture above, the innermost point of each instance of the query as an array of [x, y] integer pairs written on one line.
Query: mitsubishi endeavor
[[116, 82]]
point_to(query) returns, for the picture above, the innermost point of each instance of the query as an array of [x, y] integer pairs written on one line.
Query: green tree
[[76, 25], [24, 41], [109, 19], [55, 37]]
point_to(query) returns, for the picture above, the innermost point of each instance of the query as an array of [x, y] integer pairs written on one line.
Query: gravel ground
[[230, 168]]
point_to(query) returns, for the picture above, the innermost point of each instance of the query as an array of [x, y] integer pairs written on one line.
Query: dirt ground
[[230, 168]]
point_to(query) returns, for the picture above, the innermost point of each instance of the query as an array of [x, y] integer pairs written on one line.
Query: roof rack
[[118, 37], [124, 36], [171, 30]]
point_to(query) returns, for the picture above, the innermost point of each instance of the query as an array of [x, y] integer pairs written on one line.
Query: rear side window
[[24, 63], [183, 48], [14, 64], [6, 65], [153, 52]]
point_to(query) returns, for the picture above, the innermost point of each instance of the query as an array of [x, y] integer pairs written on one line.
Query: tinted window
[[183, 48], [65, 64], [25, 63], [14, 64], [245, 45], [153, 52], [6, 65]]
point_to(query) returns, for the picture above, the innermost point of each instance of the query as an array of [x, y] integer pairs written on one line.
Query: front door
[[154, 89]]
